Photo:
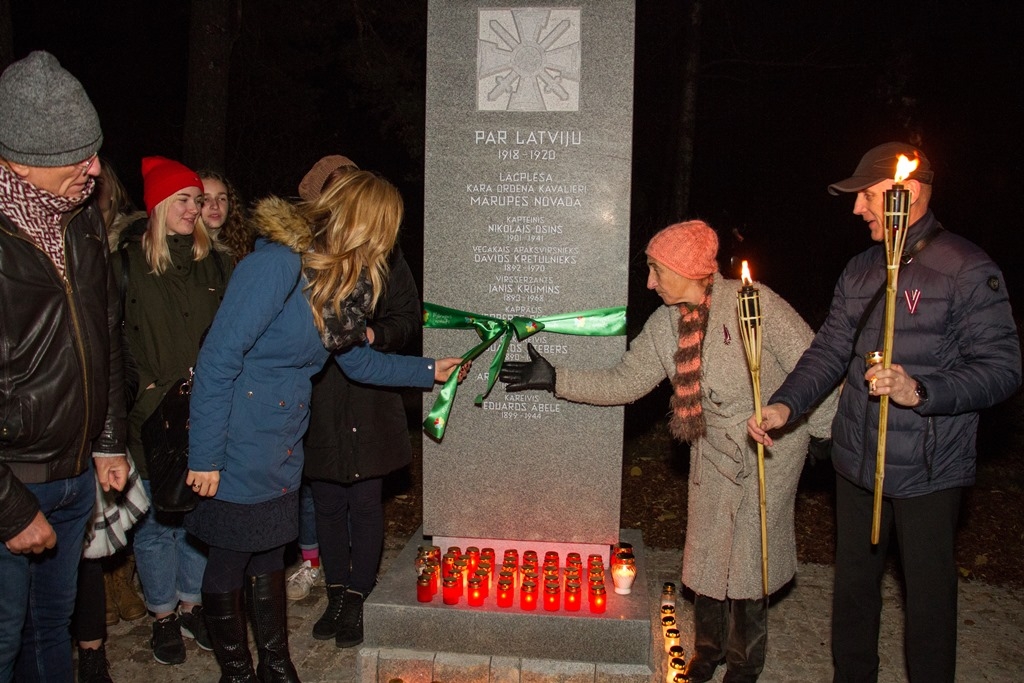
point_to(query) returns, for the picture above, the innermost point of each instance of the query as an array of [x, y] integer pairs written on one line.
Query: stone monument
[[527, 187], [527, 204]]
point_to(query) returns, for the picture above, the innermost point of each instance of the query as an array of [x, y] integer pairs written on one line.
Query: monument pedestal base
[[430, 641]]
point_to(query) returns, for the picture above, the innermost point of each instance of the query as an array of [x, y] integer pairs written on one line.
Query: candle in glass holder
[[668, 610], [595, 561], [487, 554], [473, 554], [676, 666], [671, 639], [486, 565], [450, 590], [598, 599], [676, 651], [455, 550], [475, 594], [462, 566], [423, 593], [551, 556], [528, 596], [530, 556], [435, 552], [573, 558], [668, 594], [667, 623], [571, 574], [623, 574], [552, 596], [572, 596], [505, 593], [433, 571], [485, 580], [448, 562]]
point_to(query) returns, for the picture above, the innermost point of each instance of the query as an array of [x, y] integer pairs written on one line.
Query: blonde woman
[[304, 291], [175, 284]]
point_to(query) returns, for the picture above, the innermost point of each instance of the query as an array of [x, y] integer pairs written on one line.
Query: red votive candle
[[485, 580], [487, 554], [530, 556], [528, 596], [473, 555], [573, 558], [598, 599], [423, 593], [551, 596], [505, 593], [475, 596], [450, 590], [572, 596], [551, 556]]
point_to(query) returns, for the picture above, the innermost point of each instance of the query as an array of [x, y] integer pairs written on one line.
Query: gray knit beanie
[[46, 119]]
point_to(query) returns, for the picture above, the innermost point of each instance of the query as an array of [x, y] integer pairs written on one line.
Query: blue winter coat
[[955, 334], [250, 401]]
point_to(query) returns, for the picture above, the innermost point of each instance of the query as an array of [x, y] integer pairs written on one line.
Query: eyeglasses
[[87, 164]]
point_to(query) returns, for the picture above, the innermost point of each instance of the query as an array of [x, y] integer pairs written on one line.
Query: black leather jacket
[[61, 374]]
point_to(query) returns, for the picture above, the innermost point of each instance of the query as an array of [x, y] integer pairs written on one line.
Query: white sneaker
[[299, 583]]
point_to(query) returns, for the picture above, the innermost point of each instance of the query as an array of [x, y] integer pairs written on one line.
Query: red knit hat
[[162, 177], [687, 248]]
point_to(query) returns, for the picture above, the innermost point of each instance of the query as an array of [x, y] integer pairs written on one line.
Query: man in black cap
[[62, 413], [955, 352]]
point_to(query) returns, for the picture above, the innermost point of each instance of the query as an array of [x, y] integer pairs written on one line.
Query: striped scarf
[[687, 422], [38, 212]]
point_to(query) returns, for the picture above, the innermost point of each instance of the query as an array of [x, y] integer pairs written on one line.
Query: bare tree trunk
[[213, 28], [688, 115]]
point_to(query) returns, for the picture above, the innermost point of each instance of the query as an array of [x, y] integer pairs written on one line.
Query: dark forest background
[[744, 110]]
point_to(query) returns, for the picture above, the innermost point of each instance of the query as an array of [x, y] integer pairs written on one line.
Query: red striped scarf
[[687, 422]]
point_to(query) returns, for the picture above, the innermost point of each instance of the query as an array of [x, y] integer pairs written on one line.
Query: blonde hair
[[355, 224], [154, 242]]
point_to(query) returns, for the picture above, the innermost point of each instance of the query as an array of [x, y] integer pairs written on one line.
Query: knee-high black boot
[[748, 640], [711, 618], [267, 606], [225, 620]]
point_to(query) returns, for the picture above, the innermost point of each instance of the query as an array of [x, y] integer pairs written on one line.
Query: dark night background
[[789, 95]]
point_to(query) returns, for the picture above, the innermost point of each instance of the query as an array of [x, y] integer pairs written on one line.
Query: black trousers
[[226, 569], [925, 531], [350, 530]]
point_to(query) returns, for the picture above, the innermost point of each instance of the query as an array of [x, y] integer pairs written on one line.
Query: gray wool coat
[[722, 552]]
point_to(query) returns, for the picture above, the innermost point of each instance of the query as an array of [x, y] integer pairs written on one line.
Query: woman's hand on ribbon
[[443, 368], [536, 373]]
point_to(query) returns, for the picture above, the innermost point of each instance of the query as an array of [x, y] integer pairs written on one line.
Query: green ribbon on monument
[[599, 322]]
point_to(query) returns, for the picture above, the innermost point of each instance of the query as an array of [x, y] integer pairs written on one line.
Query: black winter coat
[[356, 431]]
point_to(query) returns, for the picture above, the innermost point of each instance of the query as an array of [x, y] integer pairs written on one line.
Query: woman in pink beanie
[[694, 341]]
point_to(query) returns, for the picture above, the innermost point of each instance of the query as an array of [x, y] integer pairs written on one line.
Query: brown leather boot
[[129, 605], [108, 589]]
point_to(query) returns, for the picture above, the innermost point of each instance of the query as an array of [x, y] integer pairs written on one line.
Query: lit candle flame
[[745, 276], [904, 167]]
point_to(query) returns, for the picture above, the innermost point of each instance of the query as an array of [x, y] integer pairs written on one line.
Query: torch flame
[[904, 167], [745, 277]]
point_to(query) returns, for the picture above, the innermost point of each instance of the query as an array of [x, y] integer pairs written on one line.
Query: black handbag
[[165, 446]]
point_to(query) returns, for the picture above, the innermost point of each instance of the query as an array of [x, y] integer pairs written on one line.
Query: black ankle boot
[[710, 621], [748, 640], [350, 623], [93, 666], [326, 627], [225, 622], [267, 606]]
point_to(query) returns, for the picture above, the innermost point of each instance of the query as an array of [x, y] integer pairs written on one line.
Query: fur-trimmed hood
[[281, 221]]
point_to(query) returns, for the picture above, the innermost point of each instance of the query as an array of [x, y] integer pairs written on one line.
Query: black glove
[[537, 373]]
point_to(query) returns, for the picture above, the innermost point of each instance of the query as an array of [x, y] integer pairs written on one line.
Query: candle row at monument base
[[472, 578]]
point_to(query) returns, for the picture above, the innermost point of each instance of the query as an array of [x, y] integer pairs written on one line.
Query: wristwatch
[[921, 392]]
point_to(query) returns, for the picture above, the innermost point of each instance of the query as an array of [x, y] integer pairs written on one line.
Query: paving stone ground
[[990, 637]]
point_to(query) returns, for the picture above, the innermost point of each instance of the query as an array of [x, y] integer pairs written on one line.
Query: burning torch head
[[879, 164]]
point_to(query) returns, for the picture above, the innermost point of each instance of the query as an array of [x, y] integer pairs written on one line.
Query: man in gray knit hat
[[62, 412]]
